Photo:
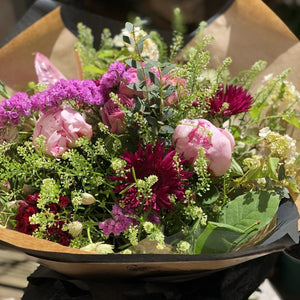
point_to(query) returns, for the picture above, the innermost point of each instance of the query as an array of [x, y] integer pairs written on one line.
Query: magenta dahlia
[[230, 100], [171, 178]]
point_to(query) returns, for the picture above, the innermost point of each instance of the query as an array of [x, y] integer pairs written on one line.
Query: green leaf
[[166, 129], [3, 92], [167, 69], [292, 119], [211, 196], [132, 63], [281, 173], [154, 78], [235, 168], [129, 26], [272, 167], [128, 40], [93, 69], [140, 46], [251, 139], [240, 219]]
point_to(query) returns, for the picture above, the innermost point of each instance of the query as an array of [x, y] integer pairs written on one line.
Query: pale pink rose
[[112, 115], [46, 72], [217, 143], [130, 78], [61, 127]]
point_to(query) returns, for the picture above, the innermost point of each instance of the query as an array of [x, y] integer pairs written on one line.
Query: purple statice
[[88, 92], [20, 105], [82, 91], [14, 108], [110, 81], [119, 223]]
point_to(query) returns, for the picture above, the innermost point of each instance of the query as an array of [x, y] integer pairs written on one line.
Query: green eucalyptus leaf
[[281, 173], [139, 47], [166, 129], [170, 89], [154, 79], [132, 63], [167, 69], [129, 26], [128, 40]]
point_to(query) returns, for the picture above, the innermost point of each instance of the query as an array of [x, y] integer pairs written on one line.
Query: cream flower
[[99, 248], [150, 48]]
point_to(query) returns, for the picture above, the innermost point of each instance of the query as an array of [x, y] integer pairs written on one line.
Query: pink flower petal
[[46, 72]]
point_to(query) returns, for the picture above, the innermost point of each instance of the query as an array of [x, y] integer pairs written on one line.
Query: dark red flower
[[171, 179], [64, 239], [53, 207], [32, 199], [230, 100], [25, 211], [63, 201]]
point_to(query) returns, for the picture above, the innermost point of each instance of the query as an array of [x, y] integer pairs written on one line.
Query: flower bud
[[75, 228], [87, 199]]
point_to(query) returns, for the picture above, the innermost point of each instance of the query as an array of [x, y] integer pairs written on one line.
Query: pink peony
[[113, 116], [217, 143], [61, 127]]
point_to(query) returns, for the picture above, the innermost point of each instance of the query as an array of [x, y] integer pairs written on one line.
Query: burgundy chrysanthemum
[[153, 161], [234, 97]]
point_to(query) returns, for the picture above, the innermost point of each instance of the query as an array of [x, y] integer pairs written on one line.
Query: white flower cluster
[[150, 48], [281, 146]]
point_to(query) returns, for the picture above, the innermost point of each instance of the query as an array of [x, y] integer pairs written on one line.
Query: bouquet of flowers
[[146, 152]]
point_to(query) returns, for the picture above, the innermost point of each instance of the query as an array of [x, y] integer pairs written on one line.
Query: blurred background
[[158, 12]]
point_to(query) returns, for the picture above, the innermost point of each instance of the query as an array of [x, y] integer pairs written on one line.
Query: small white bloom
[[264, 132], [183, 247], [268, 77], [148, 227], [75, 228], [99, 248]]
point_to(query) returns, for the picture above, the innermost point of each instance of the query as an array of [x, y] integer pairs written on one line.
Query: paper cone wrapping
[[248, 31], [48, 36]]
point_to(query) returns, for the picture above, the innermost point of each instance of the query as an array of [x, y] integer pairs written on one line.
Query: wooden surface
[[14, 269]]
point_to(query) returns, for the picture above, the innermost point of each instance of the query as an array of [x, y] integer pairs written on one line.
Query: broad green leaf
[[272, 167], [211, 196], [216, 239], [240, 219]]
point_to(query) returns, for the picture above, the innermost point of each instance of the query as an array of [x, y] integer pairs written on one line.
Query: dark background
[[158, 12]]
